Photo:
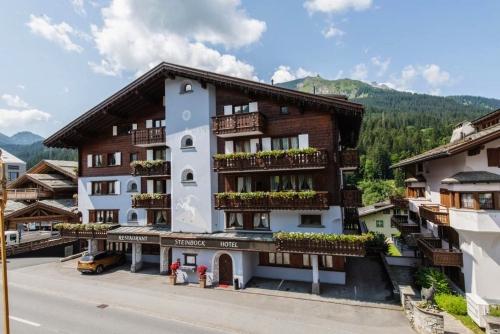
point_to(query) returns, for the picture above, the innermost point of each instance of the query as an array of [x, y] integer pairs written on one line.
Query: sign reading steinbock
[[134, 238], [219, 244]]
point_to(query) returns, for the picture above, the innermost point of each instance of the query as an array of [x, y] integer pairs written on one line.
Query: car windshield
[[88, 258]]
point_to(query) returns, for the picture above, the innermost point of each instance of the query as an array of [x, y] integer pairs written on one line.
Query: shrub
[[441, 281], [307, 194], [453, 304], [379, 241], [322, 236], [495, 310]]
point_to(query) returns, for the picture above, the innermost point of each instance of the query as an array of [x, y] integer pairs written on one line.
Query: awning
[[248, 241]]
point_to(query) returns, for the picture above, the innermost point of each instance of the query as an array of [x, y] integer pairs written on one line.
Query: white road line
[[279, 286], [25, 321]]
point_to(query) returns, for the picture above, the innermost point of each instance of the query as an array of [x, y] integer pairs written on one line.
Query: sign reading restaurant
[[134, 238], [220, 244]]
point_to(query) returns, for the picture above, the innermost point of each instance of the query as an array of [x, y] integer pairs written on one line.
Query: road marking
[[277, 289], [25, 321]]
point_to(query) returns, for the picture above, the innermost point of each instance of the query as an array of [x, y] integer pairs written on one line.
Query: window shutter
[[134, 126], [338, 263], [149, 123], [263, 259], [169, 186], [89, 160], [492, 154], [149, 154], [89, 188], [304, 141], [104, 188], [254, 143], [150, 217], [266, 144], [118, 158], [252, 106], [228, 110], [115, 130], [150, 186], [296, 260], [91, 216], [117, 187], [229, 146], [115, 216], [247, 221]]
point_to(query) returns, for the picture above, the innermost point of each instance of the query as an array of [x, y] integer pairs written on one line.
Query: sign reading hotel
[[219, 244]]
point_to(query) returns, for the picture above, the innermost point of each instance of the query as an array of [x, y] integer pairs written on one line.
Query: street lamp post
[[3, 202]]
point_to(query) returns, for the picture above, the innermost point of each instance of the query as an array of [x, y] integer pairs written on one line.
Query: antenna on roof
[[314, 89], [272, 82]]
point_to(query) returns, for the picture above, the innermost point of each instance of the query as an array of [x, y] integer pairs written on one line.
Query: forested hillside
[[34, 153]]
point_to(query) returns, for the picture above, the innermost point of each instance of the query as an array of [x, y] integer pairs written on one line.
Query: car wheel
[[99, 269]]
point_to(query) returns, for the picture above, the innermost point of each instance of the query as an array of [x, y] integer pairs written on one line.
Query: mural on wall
[[189, 212]]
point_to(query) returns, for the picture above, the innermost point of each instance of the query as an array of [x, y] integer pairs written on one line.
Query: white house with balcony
[[14, 167]]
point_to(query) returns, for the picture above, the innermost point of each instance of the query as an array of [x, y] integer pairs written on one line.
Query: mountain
[[20, 138], [35, 152], [489, 103]]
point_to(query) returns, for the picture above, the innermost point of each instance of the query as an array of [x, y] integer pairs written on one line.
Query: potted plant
[[173, 277], [202, 270]]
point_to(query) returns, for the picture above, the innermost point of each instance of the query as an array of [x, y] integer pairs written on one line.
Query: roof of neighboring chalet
[[9, 158], [374, 208], [471, 141], [417, 178], [472, 177], [43, 173], [485, 117], [150, 87], [60, 206]]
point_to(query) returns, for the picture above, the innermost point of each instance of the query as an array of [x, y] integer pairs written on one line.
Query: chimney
[[314, 89], [272, 82]]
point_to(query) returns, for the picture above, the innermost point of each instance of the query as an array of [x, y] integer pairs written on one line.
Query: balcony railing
[[349, 159], [163, 169], [239, 124], [148, 137], [435, 214], [318, 202], [351, 220], [351, 197], [399, 202], [401, 223], [431, 247], [27, 193], [344, 248], [160, 203], [318, 159], [84, 234]]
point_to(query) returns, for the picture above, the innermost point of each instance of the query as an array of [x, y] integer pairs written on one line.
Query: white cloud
[[434, 75], [78, 7], [94, 4], [65, 90], [21, 86], [14, 101], [436, 91], [137, 36], [430, 75], [339, 75], [359, 72], [383, 65], [332, 32], [336, 6], [57, 33], [20, 119], [285, 73]]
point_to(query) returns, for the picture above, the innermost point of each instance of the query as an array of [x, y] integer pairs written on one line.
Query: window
[[393, 225], [405, 211], [124, 129], [189, 142], [485, 201], [187, 176], [190, 259], [160, 154], [379, 223], [279, 258], [397, 211], [159, 123], [314, 220], [235, 220], [132, 186], [111, 187], [416, 192], [285, 143], [467, 201], [244, 184], [386, 212], [247, 220], [160, 186], [325, 262], [105, 188], [188, 88], [241, 109], [134, 157], [132, 217], [242, 146], [12, 167], [420, 167], [300, 182], [186, 142], [96, 188], [160, 217], [97, 160], [151, 249], [284, 110], [11, 176], [103, 216], [493, 157], [111, 159]]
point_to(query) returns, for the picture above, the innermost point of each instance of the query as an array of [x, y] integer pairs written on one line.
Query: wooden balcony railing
[[148, 137], [318, 159], [163, 169], [318, 202], [344, 248], [351, 197], [431, 247], [401, 223], [351, 220], [84, 234], [349, 159], [238, 124], [434, 214], [160, 203], [399, 202], [27, 193]]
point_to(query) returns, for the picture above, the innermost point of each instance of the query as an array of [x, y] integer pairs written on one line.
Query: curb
[[71, 257]]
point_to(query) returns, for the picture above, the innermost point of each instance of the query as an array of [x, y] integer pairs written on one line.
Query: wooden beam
[[169, 75], [203, 84], [149, 98], [108, 112], [40, 218], [83, 133]]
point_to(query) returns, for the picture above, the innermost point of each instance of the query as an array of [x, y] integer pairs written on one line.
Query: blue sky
[[60, 58]]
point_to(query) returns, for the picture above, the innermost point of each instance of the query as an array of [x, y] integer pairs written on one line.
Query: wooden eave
[[150, 87], [41, 206]]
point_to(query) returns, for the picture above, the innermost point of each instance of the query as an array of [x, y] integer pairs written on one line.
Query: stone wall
[[423, 321], [492, 324]]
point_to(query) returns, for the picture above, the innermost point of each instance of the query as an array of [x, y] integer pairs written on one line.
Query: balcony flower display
[[202, 271], [173, 277]]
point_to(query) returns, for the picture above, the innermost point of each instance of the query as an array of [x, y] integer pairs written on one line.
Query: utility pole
[[3, 202]]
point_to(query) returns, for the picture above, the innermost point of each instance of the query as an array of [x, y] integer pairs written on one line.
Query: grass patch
[[455, 305], [393, 251], [469, 323], [495, 310]]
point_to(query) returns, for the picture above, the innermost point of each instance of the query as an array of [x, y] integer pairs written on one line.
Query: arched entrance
[[225, 269]]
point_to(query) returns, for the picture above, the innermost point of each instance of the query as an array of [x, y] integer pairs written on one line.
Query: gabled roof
[[472, 141], [52, 181], [60, 206], [472, 177], [482, 118], [47, 168], [149, 90], [9, 158], [418, 178], [374, 208]]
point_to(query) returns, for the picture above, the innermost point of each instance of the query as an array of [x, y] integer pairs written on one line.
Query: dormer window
[[188, 88]]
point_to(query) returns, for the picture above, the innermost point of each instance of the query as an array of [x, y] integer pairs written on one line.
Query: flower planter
[[173, 280], [203, 283]]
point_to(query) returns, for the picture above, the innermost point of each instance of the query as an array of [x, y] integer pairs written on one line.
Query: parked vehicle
[[15, 238], [98, 261]]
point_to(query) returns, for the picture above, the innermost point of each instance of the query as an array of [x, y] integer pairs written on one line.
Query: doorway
[[225, 269]]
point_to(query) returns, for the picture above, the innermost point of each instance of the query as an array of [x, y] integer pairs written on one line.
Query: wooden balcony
[[161, 170], [349, 160], [435, 214], [401, 223], [343, 248], [351, 220], [318, 202], [149, 137], [234, 125], [151, 203], [400, 202], [103, 235], [27, 194], [351, 197], [431, 247], [318, 159]]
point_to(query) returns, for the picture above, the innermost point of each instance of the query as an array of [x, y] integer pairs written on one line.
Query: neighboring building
[[183, 160], [14, 167], [453, 194], [377, 217], [43, 196]]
